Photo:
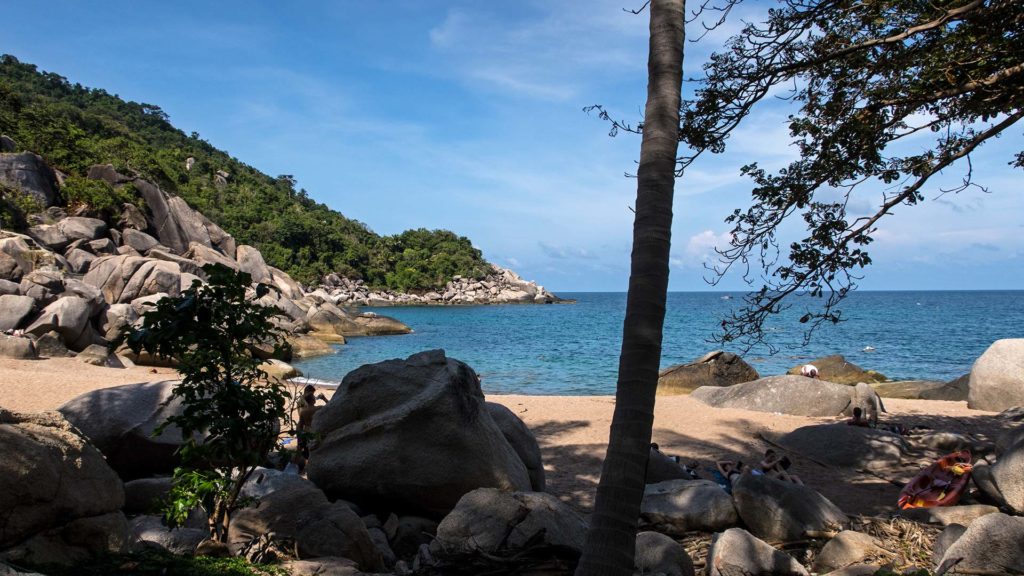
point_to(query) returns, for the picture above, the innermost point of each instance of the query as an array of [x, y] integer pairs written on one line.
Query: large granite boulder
[[177, 226], [203, 255], [49, 236], [139, 241], [14, 310], [778, 510], [990, 545], [120, 422], [795, 395], [150, 533], [17, 347], [737, 552], [69, 317], [716, 368], [126, 278], [306, 346], [676, 507], [1004, 480], [328, 318], [997, 377], [298, 511], [521, 440], [413, 433], [10, 269], [28, 173], [658, 554], [492, 521], [250, 260], [52, 482], [846, 446], [43, 286], [79, 228], [846, 549], [837, 369], [372, 324]]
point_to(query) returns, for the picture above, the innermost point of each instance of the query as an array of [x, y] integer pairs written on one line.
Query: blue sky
[[468, 116]]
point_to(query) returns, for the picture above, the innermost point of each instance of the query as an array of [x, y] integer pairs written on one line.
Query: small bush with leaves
[[227, 399], [97, 195]]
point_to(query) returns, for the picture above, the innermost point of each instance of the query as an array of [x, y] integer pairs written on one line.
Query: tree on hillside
[[868, 77], [611, 538]]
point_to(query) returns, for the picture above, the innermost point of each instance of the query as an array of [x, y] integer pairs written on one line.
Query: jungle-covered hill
[[73, 127]]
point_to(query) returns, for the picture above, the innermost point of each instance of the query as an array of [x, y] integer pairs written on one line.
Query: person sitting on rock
[[858, 419], [809, 371]]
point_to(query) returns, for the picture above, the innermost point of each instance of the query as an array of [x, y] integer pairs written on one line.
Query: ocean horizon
[[573, 349]]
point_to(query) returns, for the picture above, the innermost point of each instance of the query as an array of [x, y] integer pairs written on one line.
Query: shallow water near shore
[[573, 349]]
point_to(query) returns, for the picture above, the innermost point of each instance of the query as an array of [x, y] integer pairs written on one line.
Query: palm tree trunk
[[611, 539]]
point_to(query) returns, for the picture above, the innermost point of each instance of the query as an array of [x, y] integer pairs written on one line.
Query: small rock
[[659, 554], [98, 355], [847, 548], [17, 347], [51, 345]]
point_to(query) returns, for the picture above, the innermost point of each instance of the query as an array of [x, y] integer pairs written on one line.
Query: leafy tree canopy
[[866, 76], [74, 127]]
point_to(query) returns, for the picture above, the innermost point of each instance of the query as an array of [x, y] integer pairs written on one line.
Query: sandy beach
[[573, 430]]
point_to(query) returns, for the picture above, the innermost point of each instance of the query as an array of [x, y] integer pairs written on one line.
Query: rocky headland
[[501, 286], [71, 281]]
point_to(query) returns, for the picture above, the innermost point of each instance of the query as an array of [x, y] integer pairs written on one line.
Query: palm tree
[[611, 539]]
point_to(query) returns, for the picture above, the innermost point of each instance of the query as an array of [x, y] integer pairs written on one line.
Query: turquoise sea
[[573, 349]]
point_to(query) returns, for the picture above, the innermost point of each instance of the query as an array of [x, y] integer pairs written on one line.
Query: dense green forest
[[74, 127]]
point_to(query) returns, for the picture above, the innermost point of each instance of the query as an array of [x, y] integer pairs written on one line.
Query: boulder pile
[[74, 281]]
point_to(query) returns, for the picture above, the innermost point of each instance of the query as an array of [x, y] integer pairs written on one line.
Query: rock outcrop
[[414, 434], [846, 446], [716, 368], [29, 174], [737, 551], [501, 286]]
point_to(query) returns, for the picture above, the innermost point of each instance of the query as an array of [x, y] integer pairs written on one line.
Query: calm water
[[573, 349]]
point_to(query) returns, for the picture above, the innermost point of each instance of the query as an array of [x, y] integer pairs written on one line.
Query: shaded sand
[[573, 430]]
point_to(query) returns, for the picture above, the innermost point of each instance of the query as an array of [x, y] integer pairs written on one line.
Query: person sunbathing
[[809, 371]]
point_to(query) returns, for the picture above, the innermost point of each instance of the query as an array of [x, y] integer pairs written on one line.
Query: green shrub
[[210, 329], [15, 206], [97, 195]]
